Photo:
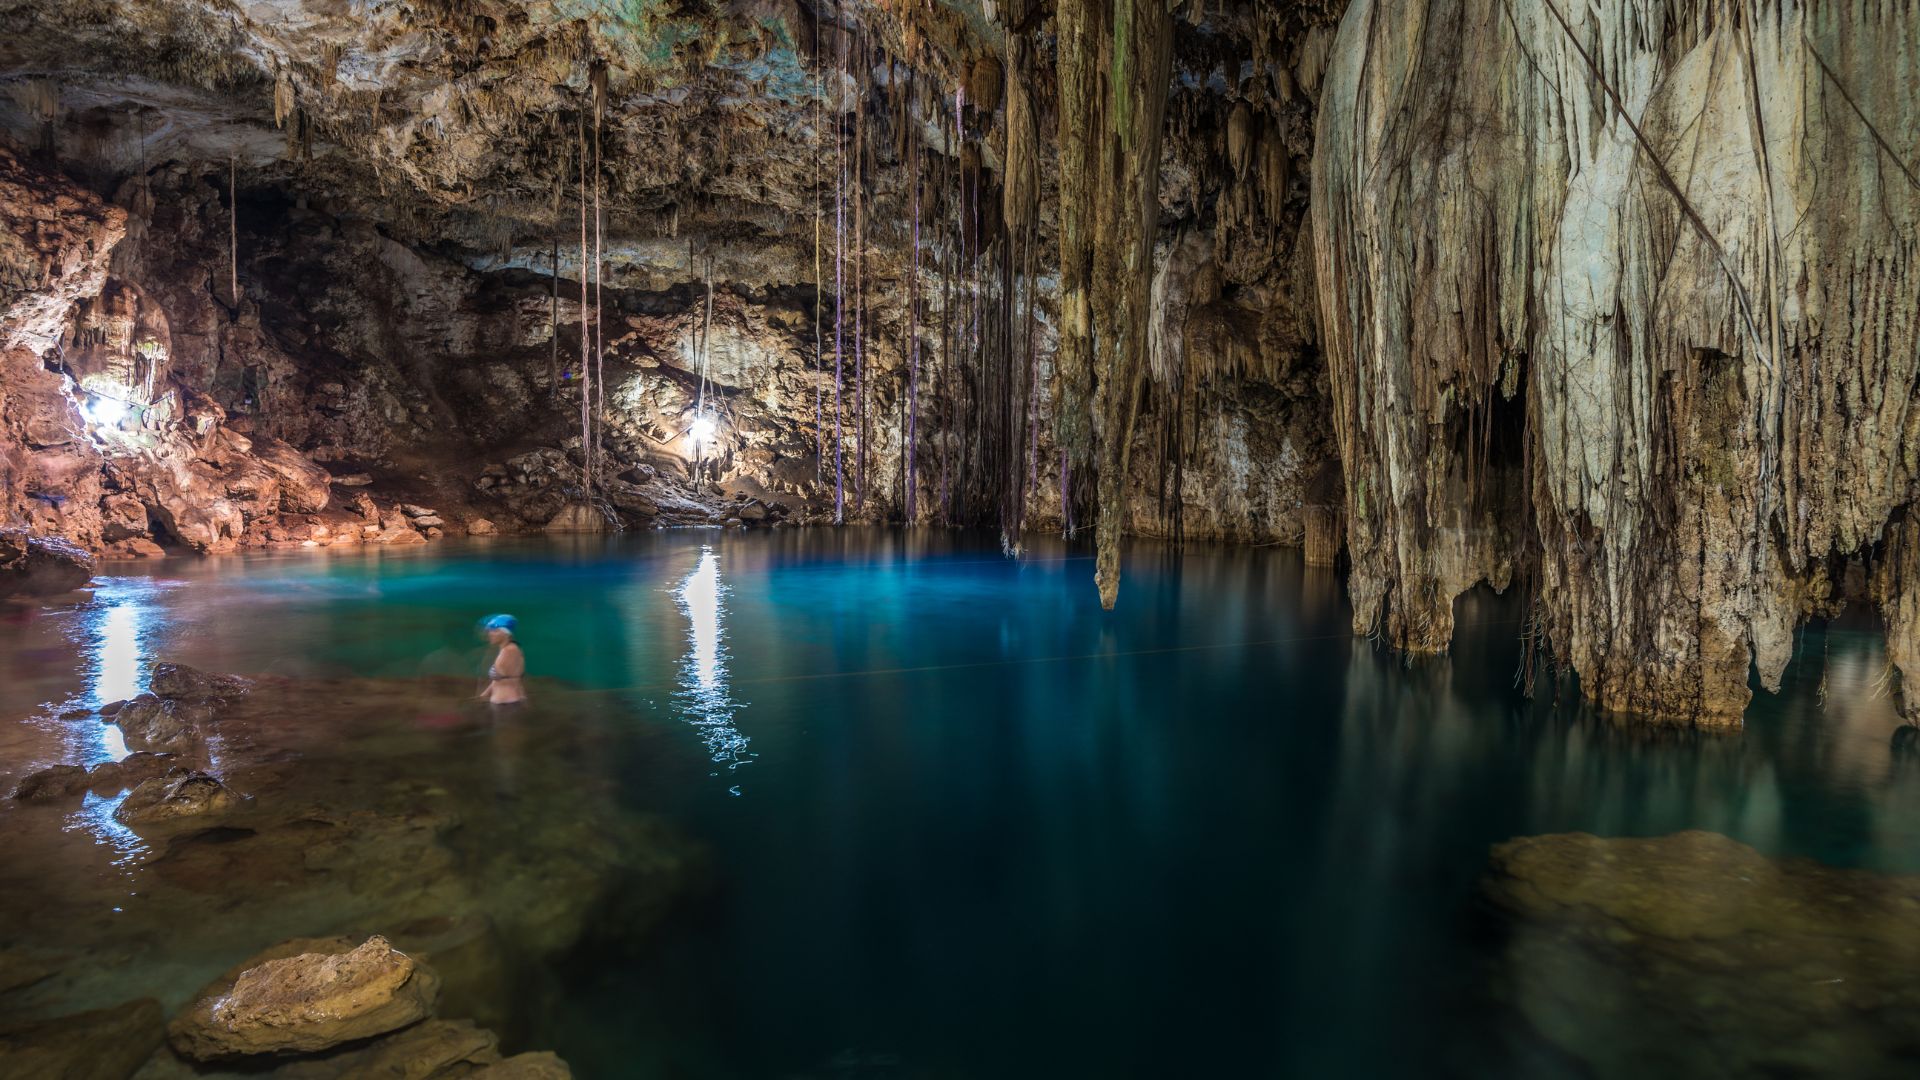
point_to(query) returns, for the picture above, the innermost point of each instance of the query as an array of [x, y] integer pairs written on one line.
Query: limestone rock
[[532, 1066], [52, 784], [304, 486], [180, 793], [179, 682], [40, 565], [166, 725], [1693, 954], [428, 1050], [305, 995], [105, 1044], [481, 527], [111, 777]]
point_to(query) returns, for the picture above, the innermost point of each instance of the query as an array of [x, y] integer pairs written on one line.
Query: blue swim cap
[[500, 622]]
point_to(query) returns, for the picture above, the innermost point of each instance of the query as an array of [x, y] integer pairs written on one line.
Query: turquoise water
[[965, 824]]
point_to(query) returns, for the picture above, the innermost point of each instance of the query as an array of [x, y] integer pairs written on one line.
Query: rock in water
[[151, 723], [180, 793], [182, 683], [40, 565], [306, 995], [110, 777], [481, 527], [1695, 955], [541, 1066], [106, 1044], [51, 784], [431, 1050]]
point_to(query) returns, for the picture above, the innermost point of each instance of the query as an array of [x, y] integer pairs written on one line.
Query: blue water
[[966, 824]]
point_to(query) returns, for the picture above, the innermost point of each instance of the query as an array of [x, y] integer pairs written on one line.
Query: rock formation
[[1605, 318], [1602, 307], [306, 995], [1692, 953]]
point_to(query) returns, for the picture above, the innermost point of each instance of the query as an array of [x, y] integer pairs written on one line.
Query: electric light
[[702, 429], [104, 411]]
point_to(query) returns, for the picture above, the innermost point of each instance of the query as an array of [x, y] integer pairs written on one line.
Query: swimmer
[[506, 676]]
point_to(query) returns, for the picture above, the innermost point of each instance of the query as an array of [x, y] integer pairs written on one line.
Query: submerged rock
[[151, 723], [180, 793], [105, 1044], [40, 565], [1693, 954], [182, 683], [52, 784], [305, 995], [109, 777], [431, 1049], [537, 1066]]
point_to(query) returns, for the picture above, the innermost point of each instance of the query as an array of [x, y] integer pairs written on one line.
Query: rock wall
[[1623, 296]]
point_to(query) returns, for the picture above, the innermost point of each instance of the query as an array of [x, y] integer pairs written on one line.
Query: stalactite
[[819, 213], [839, 286], [859, 281], [586, 330], [233, 234], [913, 338], [594, 450]]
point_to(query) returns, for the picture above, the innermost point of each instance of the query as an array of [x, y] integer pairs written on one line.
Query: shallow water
[[965, 824]]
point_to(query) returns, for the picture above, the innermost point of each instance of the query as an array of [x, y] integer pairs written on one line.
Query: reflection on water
[[999, 832], [703, 694]]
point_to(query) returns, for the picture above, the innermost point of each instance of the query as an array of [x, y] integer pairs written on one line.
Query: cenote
[[947, 540], [954, 820]]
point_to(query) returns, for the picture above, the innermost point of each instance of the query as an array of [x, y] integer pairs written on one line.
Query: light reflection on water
[[703, 695]]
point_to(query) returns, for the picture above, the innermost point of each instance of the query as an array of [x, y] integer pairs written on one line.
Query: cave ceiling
[[463, 121]]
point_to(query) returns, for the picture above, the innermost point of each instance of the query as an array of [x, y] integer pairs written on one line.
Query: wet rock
[[471, 958], [51, 784], [158, 724], [40, 565], [431, 1049], [305, 995], [181, 793], [535, 1066], [181, 683], [110, 777], [105, 1044], [481, 527], [1693, 954], [430, 521], [415, 511]]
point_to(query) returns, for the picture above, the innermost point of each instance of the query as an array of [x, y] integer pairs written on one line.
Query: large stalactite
[[1677, 239], [1110, 165]]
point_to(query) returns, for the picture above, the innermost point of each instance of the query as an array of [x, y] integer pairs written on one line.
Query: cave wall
[[1679, 239]]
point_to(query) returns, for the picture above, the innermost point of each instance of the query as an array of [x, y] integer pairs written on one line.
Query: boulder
[[105, 1044], [481, 527], [430, 521], [304, 486], [179, 682], [52, 784], [306, 995], [181, 793], [40, 565], [413, 510], [153, 723], [538, 1066], [431, 1049], [112, 777]]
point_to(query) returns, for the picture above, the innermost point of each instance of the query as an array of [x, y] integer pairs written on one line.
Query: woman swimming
[[506, 676]]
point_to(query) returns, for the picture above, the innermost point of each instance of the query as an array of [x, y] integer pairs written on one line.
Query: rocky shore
[[310, 879]]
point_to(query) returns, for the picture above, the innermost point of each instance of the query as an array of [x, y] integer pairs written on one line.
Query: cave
[[1024, 538]]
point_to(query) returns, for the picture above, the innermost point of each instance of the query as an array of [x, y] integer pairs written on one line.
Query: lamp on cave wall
[[103, 412], [702, 430]]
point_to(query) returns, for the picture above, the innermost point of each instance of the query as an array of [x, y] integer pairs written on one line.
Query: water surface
[[966, 824]]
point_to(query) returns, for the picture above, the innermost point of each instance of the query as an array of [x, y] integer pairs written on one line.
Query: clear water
[[966, 824]]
